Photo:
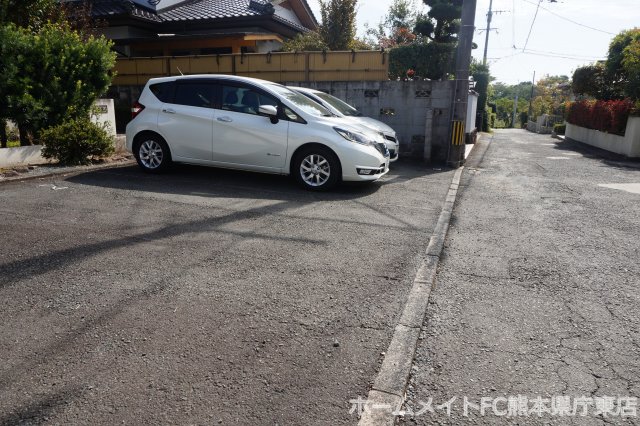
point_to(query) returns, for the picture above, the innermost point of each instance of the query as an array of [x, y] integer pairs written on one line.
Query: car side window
[[245, 100], [194, 94], [292, 116], [163, 91]]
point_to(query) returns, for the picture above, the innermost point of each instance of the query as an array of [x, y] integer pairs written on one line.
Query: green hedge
[[605, 116], [76, 142], [429, 60]]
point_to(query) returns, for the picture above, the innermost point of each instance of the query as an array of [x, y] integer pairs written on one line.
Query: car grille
[[382, 148], [390, 138]]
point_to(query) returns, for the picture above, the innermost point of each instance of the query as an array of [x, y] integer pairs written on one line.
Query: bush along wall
[[605, 116], [559, 128]]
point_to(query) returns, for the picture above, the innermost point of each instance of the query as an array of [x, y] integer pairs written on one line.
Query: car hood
[[354, 126], [373, 124]]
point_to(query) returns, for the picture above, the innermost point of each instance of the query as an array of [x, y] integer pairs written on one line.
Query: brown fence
[[290, 66]]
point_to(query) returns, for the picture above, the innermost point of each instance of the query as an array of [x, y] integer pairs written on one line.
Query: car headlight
[[353, 137]]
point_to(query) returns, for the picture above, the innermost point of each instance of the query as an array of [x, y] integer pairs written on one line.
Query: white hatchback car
[[249, 124], [342, 109]]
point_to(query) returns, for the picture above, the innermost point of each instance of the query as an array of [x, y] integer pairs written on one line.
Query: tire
[[152, 154], [316, 168]]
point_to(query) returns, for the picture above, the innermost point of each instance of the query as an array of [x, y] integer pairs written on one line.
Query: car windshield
[[302, 102], [343, 107]]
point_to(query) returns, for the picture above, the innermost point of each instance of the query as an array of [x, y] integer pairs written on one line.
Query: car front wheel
[[316, 168], [152, 154]]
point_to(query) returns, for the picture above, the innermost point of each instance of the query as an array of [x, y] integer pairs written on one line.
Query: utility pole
[[455, 157], [486, 40], [515, 111], [533, 84]]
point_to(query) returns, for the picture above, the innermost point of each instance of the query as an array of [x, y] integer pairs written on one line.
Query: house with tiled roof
[[200, 27]]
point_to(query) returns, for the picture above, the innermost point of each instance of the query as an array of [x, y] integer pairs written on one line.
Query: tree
[[591, 80], [503, 96], [619, 51], [429, 60], [616, 78], [396, 29], [52, 75], [631, 68], [442, 23], [401, 14], [522, 90], [15, 43], [310, 41], [26, 13], [22, 13], [551, 94], [482, 77], [338, 27]]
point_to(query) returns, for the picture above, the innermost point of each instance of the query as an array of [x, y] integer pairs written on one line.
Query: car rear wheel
[[316, 168], [152, 154]]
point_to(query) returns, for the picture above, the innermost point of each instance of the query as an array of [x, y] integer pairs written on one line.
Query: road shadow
[[38, 410], [607, 158], [202, 182], [224, 183]]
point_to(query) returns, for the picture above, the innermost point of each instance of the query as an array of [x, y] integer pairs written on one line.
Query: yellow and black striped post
[[457, 133]]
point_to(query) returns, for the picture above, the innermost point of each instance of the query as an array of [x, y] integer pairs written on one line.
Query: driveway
[[203, 295]]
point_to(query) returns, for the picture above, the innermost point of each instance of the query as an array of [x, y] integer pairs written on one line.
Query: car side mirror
[[270, 111]]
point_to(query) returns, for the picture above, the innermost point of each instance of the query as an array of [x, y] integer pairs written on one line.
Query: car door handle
[[169, 111], [225, 119]]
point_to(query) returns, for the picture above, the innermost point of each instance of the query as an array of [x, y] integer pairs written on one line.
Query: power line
[[532, 22], [561, 54], [547, 54], [567, 19], [494, 60]]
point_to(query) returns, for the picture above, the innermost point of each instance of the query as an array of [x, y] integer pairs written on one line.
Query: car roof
[[304, 89], [210, 76]]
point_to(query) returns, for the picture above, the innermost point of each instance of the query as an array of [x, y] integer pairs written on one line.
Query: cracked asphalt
[[203, 296], [537, 292]]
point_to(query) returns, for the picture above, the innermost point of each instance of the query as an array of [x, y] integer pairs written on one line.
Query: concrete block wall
[[419, 111]]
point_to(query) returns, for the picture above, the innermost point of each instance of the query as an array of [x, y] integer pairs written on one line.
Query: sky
[[555, 46]]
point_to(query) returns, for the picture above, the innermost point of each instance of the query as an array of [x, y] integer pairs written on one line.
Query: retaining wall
[[627, 145], [21, 155]]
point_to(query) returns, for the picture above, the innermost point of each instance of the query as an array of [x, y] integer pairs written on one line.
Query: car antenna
[[179, 70]]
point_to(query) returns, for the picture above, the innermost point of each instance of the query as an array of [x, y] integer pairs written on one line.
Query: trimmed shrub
[[524, 119], [431, 60], [559, 129], [605, 116], [76, 142]]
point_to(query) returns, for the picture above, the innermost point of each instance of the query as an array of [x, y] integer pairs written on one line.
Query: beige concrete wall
[[633, 136], [21, 155]]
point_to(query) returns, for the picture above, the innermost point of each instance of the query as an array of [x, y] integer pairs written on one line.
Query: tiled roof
[[211, 9], [191, 11]]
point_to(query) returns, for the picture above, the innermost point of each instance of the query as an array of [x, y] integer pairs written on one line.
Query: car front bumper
[[365, 164]]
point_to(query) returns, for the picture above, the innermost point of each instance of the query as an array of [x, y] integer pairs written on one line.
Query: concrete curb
[[388, 391], [72, 171]]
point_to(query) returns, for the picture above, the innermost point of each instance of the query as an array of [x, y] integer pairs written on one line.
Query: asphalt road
[[537, 294], [202, 296]]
